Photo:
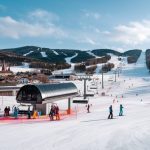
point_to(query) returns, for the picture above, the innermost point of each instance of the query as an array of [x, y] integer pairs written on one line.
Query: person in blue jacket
[[110, 112], [15, 112], [121, 110]]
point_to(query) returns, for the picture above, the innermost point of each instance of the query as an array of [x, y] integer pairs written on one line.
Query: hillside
[[60, 55]]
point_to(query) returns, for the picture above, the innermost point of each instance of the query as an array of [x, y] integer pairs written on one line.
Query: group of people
[[54, 111], [6, 111], [111, 111]]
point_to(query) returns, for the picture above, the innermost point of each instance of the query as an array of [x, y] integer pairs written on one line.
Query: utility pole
[[85, 78], [84, 88], [115, 75], [102, 79], [118, 71]]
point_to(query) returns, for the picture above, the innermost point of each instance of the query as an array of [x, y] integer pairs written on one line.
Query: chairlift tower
[[118, 71], [102, 77], [115, 72], [85, 78]]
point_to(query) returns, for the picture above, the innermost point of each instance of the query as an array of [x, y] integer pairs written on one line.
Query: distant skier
[[88, 108], [110, 112], [114, 101], [121, 110]]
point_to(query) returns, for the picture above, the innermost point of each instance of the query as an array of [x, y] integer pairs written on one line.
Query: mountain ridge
[[59, 55]]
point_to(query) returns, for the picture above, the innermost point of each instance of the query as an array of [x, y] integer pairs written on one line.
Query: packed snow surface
[[92, 131]]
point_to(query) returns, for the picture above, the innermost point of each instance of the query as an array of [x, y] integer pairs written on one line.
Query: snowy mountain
[[61, 55]]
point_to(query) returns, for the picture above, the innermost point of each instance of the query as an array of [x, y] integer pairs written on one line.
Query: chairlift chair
[[81, 101]]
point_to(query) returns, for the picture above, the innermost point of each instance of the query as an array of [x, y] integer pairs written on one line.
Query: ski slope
[[43, 54], [93, 131], [69, 70]]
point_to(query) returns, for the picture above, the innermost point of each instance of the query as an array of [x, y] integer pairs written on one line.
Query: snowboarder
[[110, 112], [121, 110]]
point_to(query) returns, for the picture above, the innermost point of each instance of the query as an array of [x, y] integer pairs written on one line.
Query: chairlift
[[23, 109], [93, 87], [89, 94], [92, 83], [81, 101]]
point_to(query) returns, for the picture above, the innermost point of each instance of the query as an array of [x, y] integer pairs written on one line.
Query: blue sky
[[75, 24]]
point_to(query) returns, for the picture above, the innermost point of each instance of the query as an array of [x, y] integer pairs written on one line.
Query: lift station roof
[[45, 93]]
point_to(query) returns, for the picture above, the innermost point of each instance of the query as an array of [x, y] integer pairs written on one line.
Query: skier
[[110, 112], [114, 101], [121, 110], [5, 111], [29, 113], [35, 114], [57, 112], [15, 112], [8, 110], [88, 108], [52, 112]]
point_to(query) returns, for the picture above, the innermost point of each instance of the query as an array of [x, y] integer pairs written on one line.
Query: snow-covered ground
[[43, 54], [23, 68], [93, 131], [68, 59], [55, 52], [28, 53], [92, 54]]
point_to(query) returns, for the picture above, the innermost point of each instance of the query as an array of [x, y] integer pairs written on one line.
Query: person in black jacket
[[110, 112]]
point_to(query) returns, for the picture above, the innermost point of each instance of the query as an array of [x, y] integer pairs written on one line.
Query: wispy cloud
[[43, 15], [41, 25], [91, 15], [88, 40], [134, 33]]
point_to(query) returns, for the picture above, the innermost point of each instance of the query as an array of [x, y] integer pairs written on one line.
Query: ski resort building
[[5, 71], [40, 95]]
